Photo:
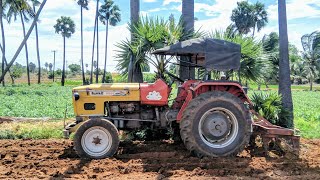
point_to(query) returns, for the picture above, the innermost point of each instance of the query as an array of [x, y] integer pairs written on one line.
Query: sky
[[303, 18]]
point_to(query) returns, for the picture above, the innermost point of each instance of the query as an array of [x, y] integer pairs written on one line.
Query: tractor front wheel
[[96, 139], [215, 124]]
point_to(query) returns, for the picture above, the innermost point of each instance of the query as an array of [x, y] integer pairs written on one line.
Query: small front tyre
[[96, 139]]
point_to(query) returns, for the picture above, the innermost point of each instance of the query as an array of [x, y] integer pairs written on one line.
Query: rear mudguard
[[198, 88]]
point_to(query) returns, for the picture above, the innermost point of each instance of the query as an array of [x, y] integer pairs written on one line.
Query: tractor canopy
[[207, 52]]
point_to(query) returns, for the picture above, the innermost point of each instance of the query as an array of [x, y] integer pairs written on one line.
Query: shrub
[[269, 106]]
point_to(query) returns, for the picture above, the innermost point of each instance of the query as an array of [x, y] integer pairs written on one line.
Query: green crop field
[[54, 101]]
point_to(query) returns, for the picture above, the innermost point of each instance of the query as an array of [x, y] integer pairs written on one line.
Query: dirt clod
[[38, 159]]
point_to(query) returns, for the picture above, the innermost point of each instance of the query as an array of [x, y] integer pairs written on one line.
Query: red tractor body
[[213, 117]]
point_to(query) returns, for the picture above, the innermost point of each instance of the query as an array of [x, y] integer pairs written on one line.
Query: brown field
[[55, 159]]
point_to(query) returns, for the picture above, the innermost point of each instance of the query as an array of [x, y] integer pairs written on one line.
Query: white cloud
[[167, 2], [296, 9], [221, 10], [149, 1]]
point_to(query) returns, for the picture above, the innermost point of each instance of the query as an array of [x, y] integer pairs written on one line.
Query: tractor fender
[[232, 87]]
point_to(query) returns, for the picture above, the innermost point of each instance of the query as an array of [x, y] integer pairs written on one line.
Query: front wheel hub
[[96, 141]]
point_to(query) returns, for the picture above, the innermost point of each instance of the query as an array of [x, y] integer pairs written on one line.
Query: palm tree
[[83, 5], [247, 17], [188, 26], [311, 55], [46, 65], [50, 67], [242, 17], [109, 13], [260, 17], [66, 27], [23, 41], [37, 3], [87, 65], [284, 66], [150, 34], [25, 11]]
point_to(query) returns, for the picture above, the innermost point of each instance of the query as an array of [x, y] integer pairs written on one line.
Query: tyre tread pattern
[[188, 116]]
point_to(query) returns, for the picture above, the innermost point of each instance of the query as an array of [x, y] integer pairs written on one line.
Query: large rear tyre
[[96, 139], [215, 124]]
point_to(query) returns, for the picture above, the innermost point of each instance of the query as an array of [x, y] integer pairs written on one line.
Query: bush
[[269, 106]]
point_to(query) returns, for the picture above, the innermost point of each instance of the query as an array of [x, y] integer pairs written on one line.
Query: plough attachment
[[284, 137]]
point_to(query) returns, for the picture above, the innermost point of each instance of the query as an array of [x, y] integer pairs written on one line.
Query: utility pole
[[54, 61]]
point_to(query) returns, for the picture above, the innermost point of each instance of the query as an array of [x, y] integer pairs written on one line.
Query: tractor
[[215, 117]]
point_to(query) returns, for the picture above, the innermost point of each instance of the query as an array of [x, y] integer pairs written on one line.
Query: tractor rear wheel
[[215, 124], [96, 139]]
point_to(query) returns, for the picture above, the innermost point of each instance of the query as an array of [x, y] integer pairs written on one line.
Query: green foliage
[[311, 56], [247, 17], [59, 72], [109, 13], [269, 106], [13, 8], [36, 101], [32, 67], [17, 70], [83, 3], [65, 26], [75, 68], [108, 78], [150, 34]]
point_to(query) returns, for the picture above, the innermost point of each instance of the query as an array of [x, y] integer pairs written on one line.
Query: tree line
[[108, 14]]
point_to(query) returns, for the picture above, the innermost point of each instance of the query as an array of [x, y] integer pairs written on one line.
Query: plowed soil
[[55, 159]]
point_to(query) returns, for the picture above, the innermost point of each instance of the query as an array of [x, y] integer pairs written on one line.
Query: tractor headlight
[[76, 96]]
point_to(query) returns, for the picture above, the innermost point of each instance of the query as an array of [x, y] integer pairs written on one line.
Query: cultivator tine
[[283, 137]]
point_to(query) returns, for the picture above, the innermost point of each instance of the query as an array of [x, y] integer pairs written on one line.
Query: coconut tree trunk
[[83, 76], [284, 67], [254, 29], [137, 75], [3, 41], [5, 62], [188, 23], [64, 61], [97, 70], [26, 48], [106, 53], [38, 53], [93, 46], [134, 13], [23, 41]]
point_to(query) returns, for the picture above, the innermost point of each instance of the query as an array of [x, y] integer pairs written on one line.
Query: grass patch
[[32, 130], [306, 107], [45, 100]]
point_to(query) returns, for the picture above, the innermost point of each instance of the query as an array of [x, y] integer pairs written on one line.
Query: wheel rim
[[96, 141], [218, 127]]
